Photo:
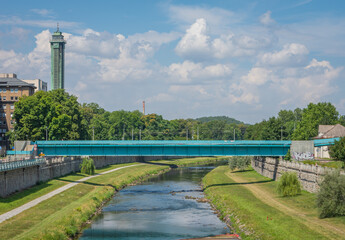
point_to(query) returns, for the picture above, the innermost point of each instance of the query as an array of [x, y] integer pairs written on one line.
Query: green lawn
[[249, 214]]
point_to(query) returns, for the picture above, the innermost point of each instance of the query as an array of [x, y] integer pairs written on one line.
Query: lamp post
[[93, 133], [46, 133]]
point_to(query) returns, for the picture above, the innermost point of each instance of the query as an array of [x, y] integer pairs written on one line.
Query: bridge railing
[[7, 166]]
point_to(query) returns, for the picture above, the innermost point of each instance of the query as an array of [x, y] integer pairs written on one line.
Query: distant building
[[38, 83], [11, 89], [328, 131], [57, 45]]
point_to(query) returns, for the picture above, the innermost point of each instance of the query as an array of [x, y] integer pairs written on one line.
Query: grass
[[62, 216], [249, 213], [330, 164]]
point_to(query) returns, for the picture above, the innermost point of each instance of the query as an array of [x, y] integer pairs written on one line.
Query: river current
[[164, 207]]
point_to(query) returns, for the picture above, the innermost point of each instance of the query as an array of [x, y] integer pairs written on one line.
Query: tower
[[57, 45]]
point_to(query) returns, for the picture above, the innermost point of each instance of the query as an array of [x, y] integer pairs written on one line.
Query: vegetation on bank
[[330, 164], [87, 166], [57, 115], [289, 185], [256, 211], [62, 216], [337, 151]]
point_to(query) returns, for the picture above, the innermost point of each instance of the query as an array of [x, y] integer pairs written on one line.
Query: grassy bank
[[250, 201], [62, 216]]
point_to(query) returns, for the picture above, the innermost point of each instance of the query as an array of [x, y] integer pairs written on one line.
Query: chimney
[[144, 107]]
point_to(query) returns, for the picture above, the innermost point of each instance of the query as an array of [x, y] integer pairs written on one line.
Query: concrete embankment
[[18, 179], [310, 176]]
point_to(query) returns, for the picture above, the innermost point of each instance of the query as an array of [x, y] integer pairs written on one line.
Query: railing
[[6, 166]]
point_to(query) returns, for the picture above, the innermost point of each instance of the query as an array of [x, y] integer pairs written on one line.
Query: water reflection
[[159, 209]]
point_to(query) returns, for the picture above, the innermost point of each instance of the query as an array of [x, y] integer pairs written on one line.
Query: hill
[[219, 118]]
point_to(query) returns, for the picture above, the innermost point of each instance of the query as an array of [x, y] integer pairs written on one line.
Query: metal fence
[[6, 166]]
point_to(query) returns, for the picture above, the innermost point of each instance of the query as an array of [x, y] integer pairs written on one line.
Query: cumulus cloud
[[293, 54]]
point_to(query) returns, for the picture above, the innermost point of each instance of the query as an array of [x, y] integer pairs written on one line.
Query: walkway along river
[[164, 207]]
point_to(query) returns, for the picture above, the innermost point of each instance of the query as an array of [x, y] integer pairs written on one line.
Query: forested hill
[[228, 120]]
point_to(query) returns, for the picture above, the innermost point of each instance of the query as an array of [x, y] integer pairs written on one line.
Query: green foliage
[[87, 166], [240, 162], [337, 151], [289, 185], [55, 111], [331, 197], [287, 157], [313, 116]]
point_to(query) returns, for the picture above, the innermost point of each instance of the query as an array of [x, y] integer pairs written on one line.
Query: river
[[164, 207]]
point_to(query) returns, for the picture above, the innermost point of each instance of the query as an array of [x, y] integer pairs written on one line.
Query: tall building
[[11, 89], [57, 45], [38, 83]]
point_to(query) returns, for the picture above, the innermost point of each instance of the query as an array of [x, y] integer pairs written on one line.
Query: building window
[[16, 90], [15, 98], [4, 122], [12, 106], [0, 90], [4, 106], [12, 122], [4, 130], [12, 90], [4, 115], [11, 115], [4, 90], [11, 98], [4, 98]]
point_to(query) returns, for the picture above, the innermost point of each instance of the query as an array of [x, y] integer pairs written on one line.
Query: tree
[[312, 117], [289, 185], [337, 151], [55, 110]]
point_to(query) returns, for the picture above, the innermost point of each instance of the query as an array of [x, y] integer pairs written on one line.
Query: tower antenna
[[57, 28]]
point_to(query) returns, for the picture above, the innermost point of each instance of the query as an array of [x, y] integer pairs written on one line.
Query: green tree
[[289, 185], [313, 116], [337, 151], [55, 110]]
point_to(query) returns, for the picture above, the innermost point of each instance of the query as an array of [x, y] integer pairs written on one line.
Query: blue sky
[[243, 59]]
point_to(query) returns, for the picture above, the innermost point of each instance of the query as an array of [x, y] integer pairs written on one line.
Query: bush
[[331, 197], [87, 166], [287, 157], [289, 185], [240, 163], [337, 151]]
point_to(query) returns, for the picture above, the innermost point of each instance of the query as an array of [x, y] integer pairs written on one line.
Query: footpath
[[38, 200]]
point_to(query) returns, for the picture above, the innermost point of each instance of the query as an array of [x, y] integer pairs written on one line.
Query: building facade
[[57, 46], [11, 89], [38, 83]]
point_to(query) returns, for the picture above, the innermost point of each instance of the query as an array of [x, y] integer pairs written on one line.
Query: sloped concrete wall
[[310, 176], [22, 178]]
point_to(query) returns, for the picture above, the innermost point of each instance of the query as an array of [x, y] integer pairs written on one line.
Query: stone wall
[[22, 178], [310, 176]]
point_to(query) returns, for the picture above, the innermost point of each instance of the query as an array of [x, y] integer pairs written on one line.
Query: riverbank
[[64, 215], [249, 202]]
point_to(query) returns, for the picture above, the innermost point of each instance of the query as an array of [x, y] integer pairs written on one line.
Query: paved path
[[28, 205]]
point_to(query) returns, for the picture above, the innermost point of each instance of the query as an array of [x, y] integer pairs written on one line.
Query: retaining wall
[[22, 178], [310, 176]]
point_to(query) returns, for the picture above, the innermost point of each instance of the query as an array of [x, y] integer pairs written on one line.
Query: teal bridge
[[169, 148]]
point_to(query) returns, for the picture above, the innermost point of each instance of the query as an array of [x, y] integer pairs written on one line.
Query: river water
[[163, 207]]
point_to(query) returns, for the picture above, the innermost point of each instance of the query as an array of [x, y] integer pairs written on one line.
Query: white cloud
[[293, 54], [6, 20], [266, 18], [42, 12]]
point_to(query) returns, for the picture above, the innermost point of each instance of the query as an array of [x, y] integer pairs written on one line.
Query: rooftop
[[10, 79]]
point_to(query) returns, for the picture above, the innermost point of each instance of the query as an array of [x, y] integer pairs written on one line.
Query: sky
[[185, 59]]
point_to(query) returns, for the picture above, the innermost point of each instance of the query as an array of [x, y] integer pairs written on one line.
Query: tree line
[[57, 115]]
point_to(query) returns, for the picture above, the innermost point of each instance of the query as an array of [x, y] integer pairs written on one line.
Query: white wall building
[[39, 84]]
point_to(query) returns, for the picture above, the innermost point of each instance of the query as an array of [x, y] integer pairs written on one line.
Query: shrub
[[287, 157], [337, 151], [87, 166], [288, 184], [233, 163], [240, 163], [331, 197]]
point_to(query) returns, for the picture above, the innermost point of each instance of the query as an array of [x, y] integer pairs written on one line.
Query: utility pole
[[281, 133], [132, 134], [234, 134], [140, 133], [93, 133], [193, 134], [198, 133], [187, 134], [123, 132], [46, 133]]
